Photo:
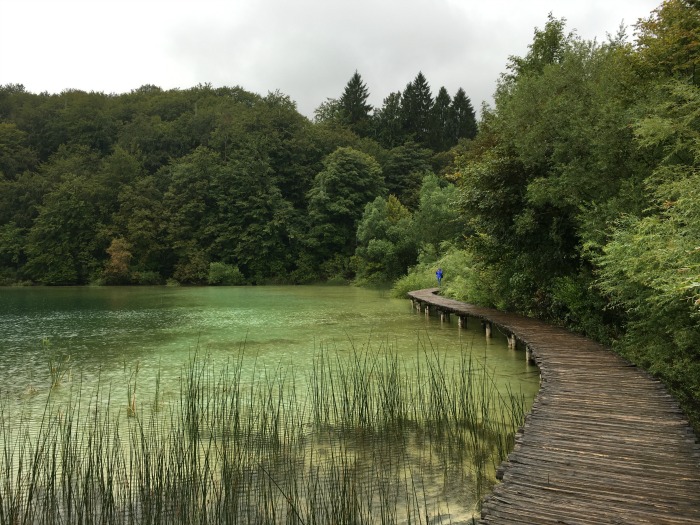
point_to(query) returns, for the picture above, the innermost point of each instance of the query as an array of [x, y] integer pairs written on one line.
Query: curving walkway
[[604, 443]]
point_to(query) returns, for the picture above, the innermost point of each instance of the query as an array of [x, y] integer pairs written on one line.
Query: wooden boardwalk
[[604, 443]]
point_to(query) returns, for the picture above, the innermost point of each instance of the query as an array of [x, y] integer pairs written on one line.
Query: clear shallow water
[[109, 331], [112, 343]]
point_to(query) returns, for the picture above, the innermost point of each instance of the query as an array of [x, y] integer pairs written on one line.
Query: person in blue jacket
[[438, 274]]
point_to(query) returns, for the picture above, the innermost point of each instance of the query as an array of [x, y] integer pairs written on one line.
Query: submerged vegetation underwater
[[363, 438]]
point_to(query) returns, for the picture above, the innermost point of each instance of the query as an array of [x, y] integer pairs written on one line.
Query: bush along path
[[604, 442]]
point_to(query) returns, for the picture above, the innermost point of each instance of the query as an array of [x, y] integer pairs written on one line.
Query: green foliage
[[355, 112], [186, 177], [416, 107], [386, 244], [557, 166], [62, 242], [141, 220], [388, 121], [146, 277], [404, 168], [329, 112], [225, 274], [580, 193], [462, 123], [350, 179], [438, 218], [651, 266], [190, 199], [16, 155], [668, 41], [416, 279], [465, 277], [441, 121], [577, 302], [12, 242], [548, 47], [414, 116], [192, 266]]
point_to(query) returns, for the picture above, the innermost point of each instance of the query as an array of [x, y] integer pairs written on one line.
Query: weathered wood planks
[[604, 442]]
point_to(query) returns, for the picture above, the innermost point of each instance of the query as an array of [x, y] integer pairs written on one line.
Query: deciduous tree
[[350, 179]]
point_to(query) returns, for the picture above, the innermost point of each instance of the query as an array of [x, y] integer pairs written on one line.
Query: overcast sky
[[308, 49]]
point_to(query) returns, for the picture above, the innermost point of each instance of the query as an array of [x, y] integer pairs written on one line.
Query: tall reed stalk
[[363, 437]]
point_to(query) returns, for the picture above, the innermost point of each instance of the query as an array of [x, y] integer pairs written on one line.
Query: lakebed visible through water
[[248, 404]]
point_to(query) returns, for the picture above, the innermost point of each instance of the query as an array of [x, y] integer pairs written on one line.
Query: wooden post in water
[[528, 355], [511, 342], [427, 310], [462, 321], [444, 316], [487, 328]]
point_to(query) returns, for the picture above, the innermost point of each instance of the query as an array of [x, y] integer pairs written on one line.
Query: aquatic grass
[[363, 437], [59, 363]]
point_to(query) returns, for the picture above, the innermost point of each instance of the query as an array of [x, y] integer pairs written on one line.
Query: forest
[[574, 198]]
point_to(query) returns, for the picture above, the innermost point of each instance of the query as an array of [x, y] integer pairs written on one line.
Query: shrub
[[225, 274]]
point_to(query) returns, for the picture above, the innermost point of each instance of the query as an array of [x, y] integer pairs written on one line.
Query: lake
[[103, 329], [333, 365]]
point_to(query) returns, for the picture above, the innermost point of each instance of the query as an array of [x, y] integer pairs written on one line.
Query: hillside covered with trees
[[578, 200], [204, 185]]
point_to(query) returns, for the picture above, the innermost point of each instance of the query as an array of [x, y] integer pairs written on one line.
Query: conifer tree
[[389, 122], [354, 108], [416, 108], [442, 122], [463, 117]]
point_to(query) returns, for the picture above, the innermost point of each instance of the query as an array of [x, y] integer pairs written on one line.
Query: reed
[[59, 363], [363, 437]]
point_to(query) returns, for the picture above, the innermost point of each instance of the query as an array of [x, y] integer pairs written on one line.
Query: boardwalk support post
[[529, 358], [511, 342], [487, 328], [462, 321], [601, 439], [444, 316]]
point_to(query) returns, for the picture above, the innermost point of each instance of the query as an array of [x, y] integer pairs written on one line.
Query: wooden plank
[[604, 441]]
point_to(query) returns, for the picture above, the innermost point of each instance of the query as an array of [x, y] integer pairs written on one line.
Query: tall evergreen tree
[[354, 107], [416, 108], [388, 122], [441, 122], [463, 117]]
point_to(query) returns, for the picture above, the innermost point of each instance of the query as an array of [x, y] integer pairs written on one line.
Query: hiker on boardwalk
[[438, 274]]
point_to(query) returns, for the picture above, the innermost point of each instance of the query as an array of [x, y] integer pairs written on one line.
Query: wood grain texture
[[604, 443]]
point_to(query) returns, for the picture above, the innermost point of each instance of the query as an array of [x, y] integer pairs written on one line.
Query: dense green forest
[[575, 198], [204, 185]]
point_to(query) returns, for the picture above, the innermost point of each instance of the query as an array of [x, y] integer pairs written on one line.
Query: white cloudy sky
[[308, 49]]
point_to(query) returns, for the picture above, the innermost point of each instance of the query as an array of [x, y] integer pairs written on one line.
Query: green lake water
[[107, 331], [110, 347]]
